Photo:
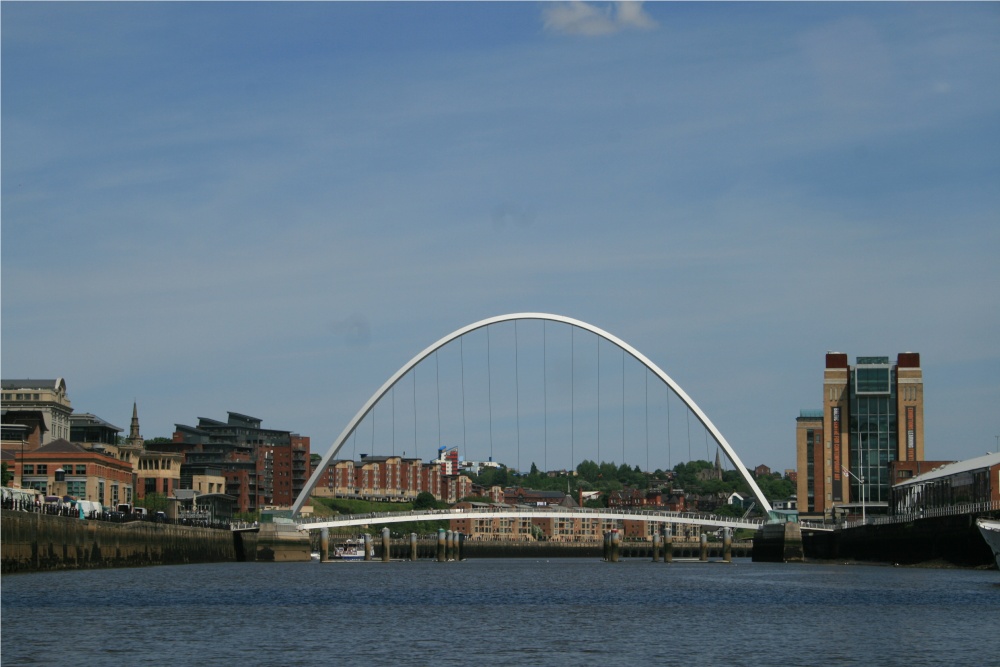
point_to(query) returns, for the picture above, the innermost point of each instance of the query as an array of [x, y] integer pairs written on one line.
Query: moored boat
[[991, 533], [349, 550]]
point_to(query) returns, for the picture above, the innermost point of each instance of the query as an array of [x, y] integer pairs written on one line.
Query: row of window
[[43, 469], [22, 397]]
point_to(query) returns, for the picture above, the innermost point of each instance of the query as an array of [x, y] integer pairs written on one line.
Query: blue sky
[[269, 208]]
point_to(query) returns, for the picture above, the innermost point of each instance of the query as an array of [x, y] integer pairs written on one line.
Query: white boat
[[991, 533], [349, 550]]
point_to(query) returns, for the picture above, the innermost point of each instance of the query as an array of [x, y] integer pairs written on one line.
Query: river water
[[503, 612]]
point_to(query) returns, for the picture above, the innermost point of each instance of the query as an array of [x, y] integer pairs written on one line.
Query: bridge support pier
[[413, 546], [442, 549], [386, 550], [656, 547], [368, 546], [727, 545], [324, 544], [703, 552], [616, 545], [668, 546]]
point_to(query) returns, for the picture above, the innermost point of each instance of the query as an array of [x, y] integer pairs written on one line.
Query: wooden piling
[[324, 544], [386, 550], [727, 545], [442, 549], [413, 546], [368, 546], [703, 554], [616, 542], [656, 547]]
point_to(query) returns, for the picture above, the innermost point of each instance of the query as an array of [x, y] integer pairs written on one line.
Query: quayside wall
[[34, 542], [946, 540], [954, 540]]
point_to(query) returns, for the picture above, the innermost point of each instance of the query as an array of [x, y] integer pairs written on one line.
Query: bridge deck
[[687, 518]]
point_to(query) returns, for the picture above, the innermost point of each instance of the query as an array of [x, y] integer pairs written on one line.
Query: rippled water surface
[[503, 612]]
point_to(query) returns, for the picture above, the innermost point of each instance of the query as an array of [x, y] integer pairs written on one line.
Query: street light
[[861, 481]]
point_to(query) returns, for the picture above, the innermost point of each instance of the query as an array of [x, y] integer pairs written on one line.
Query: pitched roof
[[60, 446], [29, 384], [987, 461]]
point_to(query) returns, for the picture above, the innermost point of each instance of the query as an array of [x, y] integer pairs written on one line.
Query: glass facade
[[874, 428]]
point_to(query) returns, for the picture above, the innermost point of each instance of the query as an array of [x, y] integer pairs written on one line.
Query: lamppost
[[861, 482]]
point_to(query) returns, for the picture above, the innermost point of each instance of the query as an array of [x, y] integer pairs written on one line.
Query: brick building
[[872, 415], [89, 475], [261, 467]]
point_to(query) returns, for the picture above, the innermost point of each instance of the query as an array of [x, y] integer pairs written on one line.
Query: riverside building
[[872, 415]]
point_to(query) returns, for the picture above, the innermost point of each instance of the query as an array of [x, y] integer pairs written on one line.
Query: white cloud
[[582, 18]]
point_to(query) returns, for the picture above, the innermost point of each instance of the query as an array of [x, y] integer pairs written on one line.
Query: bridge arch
[[639, 356]]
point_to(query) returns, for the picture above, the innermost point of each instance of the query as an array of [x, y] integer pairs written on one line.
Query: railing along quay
[[109, 516]]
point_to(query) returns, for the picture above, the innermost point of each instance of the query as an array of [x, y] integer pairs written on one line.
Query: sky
[[269, 208]]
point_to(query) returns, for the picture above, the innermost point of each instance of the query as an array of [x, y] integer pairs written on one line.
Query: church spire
[[134, 439]]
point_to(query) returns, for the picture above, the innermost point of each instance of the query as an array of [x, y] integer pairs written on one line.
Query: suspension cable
[[598, 400], [669, 447], [687, 413], [416, 450], [545, 396], [646, 376], [489, 382], [437, 372], [517, 397], [465, 444]]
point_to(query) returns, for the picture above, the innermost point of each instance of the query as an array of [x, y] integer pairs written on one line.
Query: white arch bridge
[[641, 358], [654, 516]]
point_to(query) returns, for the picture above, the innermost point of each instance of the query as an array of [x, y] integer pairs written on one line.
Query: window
[[43, 469], [28, 469], [76, 489], [81, 469]]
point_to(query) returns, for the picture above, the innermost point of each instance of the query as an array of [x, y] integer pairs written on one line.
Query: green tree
[[6, 473], [153, 502], [424, 501], [588, 470]]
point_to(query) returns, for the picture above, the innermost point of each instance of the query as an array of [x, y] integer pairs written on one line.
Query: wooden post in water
[[386, 542], [442, 552], [668, 544], [606, 547], [368, 546], [656, 547], [324, 544], [459, 546], [703, 555], [727, 545], [413, 546], [616, 542]]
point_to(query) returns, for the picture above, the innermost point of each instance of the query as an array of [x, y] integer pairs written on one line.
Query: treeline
[[607, 477]]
